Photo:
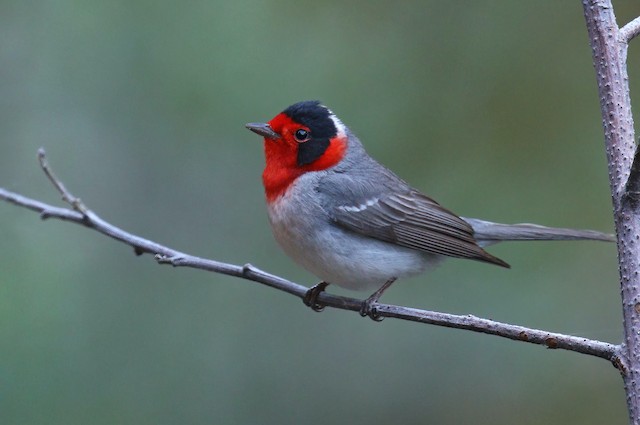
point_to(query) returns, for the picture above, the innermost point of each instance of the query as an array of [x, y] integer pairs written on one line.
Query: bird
[[354, 223]]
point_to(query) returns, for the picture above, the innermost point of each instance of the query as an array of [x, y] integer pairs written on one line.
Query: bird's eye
[[301, 135]]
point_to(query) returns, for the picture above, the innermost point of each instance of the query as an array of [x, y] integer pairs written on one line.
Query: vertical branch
[[609, 48]]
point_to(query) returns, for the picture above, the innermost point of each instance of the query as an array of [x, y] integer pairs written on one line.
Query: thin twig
[[75, 203], [630, 31], [165, 255]]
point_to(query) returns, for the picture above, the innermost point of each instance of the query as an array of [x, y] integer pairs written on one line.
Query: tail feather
[[488, 233]]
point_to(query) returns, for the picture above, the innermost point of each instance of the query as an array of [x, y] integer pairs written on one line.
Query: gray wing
[[406, 218]]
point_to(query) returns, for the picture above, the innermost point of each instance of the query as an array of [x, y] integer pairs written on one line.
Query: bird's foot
[[368, 308], [311, 297]]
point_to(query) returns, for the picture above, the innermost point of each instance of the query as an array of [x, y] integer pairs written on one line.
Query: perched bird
[[352, 222]]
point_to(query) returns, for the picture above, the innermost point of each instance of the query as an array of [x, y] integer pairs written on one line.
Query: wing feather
[[415, 221]]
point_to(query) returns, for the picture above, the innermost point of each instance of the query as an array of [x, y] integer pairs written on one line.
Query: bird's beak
[[262, 129]]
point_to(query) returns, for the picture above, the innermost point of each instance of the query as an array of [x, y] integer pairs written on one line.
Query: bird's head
[[303, 138]]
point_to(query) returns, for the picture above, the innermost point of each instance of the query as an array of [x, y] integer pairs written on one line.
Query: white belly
[[336, 255]]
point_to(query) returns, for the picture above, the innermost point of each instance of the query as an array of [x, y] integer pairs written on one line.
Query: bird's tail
[[488, 233]]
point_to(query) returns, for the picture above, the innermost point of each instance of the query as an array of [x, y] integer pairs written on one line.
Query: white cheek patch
[[360, 207]]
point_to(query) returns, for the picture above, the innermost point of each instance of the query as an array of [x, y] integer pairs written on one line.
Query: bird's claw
[[310, 299], [368, 308]]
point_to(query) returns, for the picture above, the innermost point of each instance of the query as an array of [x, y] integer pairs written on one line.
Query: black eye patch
[[311, 150], [321, 127]]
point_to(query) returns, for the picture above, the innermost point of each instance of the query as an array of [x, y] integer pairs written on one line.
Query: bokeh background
[[490, 107]]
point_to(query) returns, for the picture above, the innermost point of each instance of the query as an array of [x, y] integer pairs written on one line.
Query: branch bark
[[609, 48], [80, 214], [630, 31]]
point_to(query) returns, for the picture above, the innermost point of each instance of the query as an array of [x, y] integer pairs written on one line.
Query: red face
[[306, 137]]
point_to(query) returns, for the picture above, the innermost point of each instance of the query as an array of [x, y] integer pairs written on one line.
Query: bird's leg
[[368, 305], [311, 297]]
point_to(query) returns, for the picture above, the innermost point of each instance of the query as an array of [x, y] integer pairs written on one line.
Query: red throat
[[281, 168]]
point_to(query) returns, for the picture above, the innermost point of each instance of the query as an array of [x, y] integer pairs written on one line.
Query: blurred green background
[[489, 107]]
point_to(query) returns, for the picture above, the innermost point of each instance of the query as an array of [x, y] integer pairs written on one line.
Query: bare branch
[[630, 31], [165, 255], [609, 47]]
